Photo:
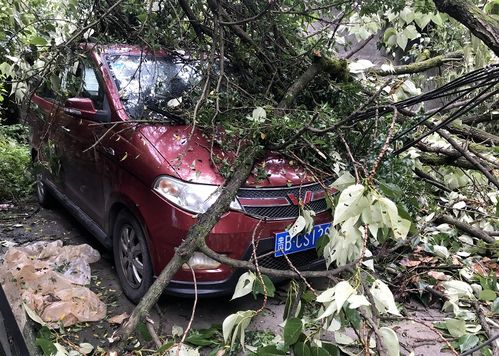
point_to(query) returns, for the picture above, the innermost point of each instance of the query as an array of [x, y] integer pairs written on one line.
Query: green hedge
[[16, 179]]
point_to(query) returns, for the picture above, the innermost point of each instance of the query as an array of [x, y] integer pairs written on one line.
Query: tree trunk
[[483, 26]]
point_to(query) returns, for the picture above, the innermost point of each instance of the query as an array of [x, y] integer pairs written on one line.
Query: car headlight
[[196, 198]]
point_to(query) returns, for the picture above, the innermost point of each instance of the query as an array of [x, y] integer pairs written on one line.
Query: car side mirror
[[85, 109]]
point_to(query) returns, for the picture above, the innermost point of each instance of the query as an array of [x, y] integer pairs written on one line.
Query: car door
[[43, 117], [82, 160]]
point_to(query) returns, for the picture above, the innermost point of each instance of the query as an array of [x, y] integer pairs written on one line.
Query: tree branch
[[465, 227], [335, 67], [198, 27], [469, 157], [483, 26], [475, 134], [270, 271], [419, 66]]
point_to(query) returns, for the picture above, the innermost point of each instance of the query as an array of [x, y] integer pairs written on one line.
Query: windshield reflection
[[153, 87]]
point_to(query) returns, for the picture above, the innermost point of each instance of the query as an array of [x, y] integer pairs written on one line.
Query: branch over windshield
[[154, 87]]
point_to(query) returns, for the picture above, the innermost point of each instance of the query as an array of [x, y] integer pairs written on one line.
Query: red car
[[111, 147]]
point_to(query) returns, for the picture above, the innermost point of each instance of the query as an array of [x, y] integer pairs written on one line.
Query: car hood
[[190, 154]]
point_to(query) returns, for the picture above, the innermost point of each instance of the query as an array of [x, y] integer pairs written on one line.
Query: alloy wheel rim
[[131, 256]]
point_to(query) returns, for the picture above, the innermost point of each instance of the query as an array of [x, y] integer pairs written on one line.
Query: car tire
[[131, 257], [45, 198]]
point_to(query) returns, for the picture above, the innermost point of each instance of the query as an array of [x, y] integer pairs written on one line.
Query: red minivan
[[110, 145]]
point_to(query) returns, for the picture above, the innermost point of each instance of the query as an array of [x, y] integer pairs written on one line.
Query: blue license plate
[[285, 244]]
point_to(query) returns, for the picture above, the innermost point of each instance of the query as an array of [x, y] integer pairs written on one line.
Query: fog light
[[200, 261]]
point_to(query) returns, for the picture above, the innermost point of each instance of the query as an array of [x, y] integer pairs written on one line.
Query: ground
[[27, 222]]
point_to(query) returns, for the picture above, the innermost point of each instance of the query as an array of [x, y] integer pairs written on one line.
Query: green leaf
[[390, 341], [495, 306], [244, 285], [301, 349], [269, 350], [355, 301], [269, 285], [259, 115], [292, 330], [234, 326], [389, 32], [332, 349], [467, 342], [201, 340], [456, 327], [47, 346], [437, 19], [343, 291], [487, 295], [297, 227], [391, 190], [402, 40], [407, 14], [343, 181], [383, 298], [350, 203], [142, 17], [411, 32], [390, 216], [492, 7], [37, 41], [422, 20], [319, 351], [33, 315], [165, 347], [85, 348]]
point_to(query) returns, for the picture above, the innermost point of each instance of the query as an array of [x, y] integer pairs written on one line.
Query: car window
[[81, 81], [146, 82]]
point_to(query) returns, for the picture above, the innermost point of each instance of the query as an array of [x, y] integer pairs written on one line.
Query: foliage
[[381, 205], [16, 181]]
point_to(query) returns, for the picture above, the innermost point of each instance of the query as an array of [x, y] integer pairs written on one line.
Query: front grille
[[281, 191], [284, 212], [300, 260], [280, 211]]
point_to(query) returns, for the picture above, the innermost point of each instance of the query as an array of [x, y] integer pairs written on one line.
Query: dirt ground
[[29, 223]]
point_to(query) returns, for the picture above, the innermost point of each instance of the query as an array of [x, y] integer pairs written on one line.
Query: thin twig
[[152, 332], [487, 329], [189, 325], [391, 130]]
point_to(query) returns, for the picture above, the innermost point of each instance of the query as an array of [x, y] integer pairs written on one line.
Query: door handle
[[65, 129]]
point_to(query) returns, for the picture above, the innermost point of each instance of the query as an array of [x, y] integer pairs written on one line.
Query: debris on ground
[[51, 281]]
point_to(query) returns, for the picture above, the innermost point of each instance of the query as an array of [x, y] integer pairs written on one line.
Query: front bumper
[[304, 261]]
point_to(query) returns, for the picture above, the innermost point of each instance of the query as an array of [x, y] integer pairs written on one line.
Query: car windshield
[[153, 87]]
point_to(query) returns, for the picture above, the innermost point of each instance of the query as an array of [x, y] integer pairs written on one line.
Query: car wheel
[[43, 195], [131, 257]]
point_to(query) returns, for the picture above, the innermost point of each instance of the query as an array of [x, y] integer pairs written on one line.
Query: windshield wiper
[[176, 118]]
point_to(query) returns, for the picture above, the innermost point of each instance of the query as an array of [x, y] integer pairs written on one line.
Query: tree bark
[[477, 135], [337, 68], [419, 66], [436, 160], [196, 234], [483, 26]]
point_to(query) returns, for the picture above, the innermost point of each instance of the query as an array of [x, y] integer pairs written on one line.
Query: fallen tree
[[330, 119]]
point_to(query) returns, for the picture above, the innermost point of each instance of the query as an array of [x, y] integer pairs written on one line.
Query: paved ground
[[22, 224]]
